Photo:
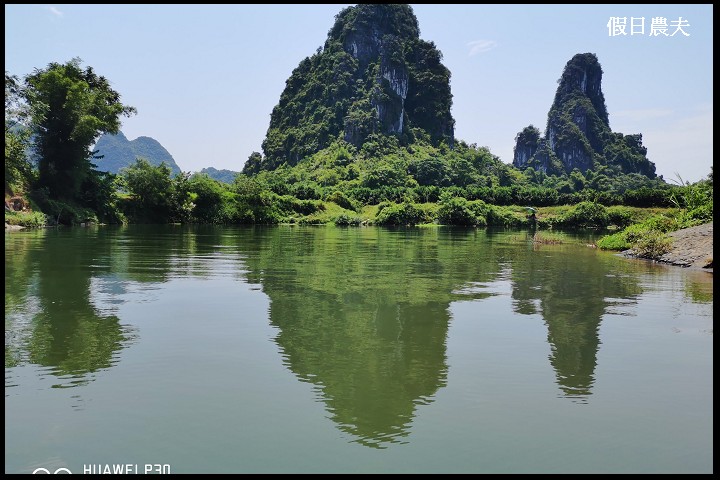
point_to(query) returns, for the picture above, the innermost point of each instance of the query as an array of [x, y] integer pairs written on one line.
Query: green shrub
[[504, 217], [26, 219], [459, 211], [586, 215], [58, 212], [401, 214], [696, 216], [619, 216], [290, 204], [652, 245], [341, 199], [646, 239], [344, 219], [383, 205], [616, 241], [311, 221], [660, 223]]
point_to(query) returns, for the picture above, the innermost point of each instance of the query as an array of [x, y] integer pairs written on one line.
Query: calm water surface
[[324, 349]]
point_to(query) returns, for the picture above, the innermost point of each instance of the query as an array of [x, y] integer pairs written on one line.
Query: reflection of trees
[[62, 330], [572, 295], [373, 362], [61, 286], [699, 287], [152, 254], [18, 280], [363, 314]]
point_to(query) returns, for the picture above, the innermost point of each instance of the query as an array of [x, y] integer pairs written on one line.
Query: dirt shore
[[691, 248]]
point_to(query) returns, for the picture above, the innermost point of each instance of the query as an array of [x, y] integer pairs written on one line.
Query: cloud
[[480, 46], [54, 10]]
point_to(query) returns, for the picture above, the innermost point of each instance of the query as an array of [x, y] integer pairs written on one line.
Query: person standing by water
[[532, 219]]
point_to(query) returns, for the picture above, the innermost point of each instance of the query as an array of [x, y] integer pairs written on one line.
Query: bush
[[60, 212], [616, 241], [646, 239], [587, 215], [344, 219], [504, 217], [696, 216], [290, 204], [458, 211], [401, 214], [660, 223], [619, 216], [383, 205], [647, 197], [210, 196], [339, 198], [26, 219], [311, 221], [306, 191], [652, 245]]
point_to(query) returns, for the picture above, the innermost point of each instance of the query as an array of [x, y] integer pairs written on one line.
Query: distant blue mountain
[[119, 152], [226, 176]]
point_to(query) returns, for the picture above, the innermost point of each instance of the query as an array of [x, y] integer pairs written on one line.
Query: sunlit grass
[[548, 238], [26, 219]]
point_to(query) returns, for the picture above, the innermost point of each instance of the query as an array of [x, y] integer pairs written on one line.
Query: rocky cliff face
[[119, 152], [373, 76], [578, 134]]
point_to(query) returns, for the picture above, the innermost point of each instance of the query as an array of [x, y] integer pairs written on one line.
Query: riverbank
[[691, 248]]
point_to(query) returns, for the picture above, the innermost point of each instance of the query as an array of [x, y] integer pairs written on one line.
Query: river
[[300, 349]]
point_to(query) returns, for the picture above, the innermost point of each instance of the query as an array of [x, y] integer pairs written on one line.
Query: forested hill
[[119, 152], [374, 75], [225, 176], [578, 134]]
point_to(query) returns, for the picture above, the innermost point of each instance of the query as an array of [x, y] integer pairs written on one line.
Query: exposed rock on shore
[[691, 247]]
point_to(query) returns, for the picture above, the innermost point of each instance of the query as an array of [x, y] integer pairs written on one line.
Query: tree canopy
[[70, 107]]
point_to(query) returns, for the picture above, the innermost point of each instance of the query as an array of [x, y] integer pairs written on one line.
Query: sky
[[205, 78]]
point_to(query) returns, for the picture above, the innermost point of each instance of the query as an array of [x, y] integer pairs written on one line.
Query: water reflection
[[571, 291], [363, 314], [699, 287], [50, 318]]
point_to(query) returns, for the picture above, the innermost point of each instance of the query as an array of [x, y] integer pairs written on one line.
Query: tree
[[253, 164], [150, 187], [428, 171], [18, 170], [69, 109]]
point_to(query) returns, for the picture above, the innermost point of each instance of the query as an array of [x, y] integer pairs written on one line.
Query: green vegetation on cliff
[[578, 135], [374, 75]]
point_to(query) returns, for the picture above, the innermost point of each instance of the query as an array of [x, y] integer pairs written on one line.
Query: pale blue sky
[[204, 78]]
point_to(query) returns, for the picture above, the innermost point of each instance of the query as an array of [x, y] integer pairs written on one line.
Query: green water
[[343, 350]]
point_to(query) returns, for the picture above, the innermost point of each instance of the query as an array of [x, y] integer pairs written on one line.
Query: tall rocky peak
[[582, 76], [578, 134], [374, 75], [361, 29]]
